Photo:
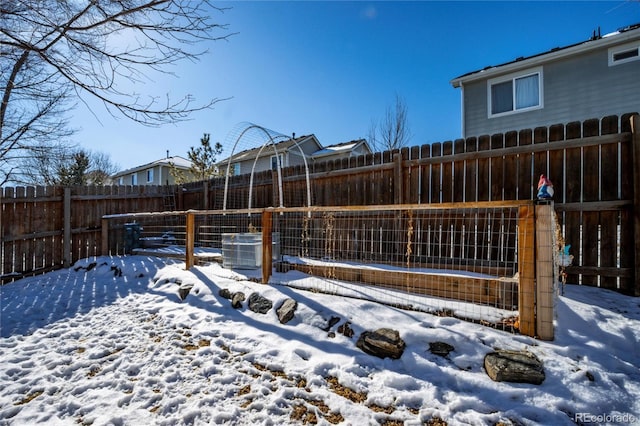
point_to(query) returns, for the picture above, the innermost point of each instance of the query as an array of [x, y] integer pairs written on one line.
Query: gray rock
[[590, 376], [382, 343], [225, 293], [332, 321], [440, 348], [237, 299], [514, 366], [259, 304], [345, 329], [287, 310], [184, 290]]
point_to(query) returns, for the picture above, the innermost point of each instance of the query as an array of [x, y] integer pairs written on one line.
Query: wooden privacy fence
[[594, 166], [47, 228]]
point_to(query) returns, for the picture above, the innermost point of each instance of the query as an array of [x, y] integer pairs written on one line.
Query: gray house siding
[[155, 173], [291, 157], [161, 176], [574, 89], [263, 163]]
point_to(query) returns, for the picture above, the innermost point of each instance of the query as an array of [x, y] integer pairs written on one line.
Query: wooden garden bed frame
[[494, 292]]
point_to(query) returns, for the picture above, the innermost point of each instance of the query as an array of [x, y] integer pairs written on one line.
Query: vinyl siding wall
[[574, 89], [291, 157], [161, 176]]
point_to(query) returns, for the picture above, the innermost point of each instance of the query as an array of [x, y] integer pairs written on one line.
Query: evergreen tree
[[203, 161], [75, 172]]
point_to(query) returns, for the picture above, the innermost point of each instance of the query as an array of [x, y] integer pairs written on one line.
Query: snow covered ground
[[109, 342]]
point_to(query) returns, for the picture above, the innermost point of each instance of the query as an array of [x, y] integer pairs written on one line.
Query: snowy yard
[[109, 342]]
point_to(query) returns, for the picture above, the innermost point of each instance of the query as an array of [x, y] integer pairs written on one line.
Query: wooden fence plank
[[484, 189], [447, 173], [28, 227], [573, 185], [425, 175], [471, 169], [591, 226], [8, 219], [497, 174], [435, 177], [509, 189], [556, 163], [405, 172], [609, 190], [459, 174], [540, 161], [524, 181], [609, 164], [22, 245]]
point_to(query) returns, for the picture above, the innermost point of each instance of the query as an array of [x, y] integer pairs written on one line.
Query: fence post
[[635, 133], [545, 276], [66, 235], [526, 270], [267, 245], [189, 240], [104, 233]]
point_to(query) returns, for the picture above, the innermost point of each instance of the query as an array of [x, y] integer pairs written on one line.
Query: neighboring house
[[155, 173], [289, 152], [591, 79], [342, 150]]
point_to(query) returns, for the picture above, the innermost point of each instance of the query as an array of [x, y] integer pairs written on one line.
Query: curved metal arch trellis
[[272, 138]]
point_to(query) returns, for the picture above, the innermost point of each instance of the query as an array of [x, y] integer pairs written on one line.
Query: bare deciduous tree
[[42, 164], [55, 53], [55, 164], [101, 168], [393, 131]]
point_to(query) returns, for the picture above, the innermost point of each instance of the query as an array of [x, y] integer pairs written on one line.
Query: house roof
[[176, 160], [622, 35], [280, 147], [340, 148]]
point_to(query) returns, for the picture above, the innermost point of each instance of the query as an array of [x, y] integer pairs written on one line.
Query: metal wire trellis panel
[[458, 261]]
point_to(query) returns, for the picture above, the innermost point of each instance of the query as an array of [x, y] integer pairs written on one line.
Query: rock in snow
[[384, 342], [287, 310], [237, 299], [259, 304], [184, 290], [440, 348], [514, 366], [225, 292]]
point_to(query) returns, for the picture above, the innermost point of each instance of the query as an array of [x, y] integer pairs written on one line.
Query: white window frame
[[149, 175], [624, 48], [235, 169], [513, 77], [273, 157], [134, 179]]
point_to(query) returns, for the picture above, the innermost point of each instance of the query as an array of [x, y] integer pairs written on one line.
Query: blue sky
[[331, 67]]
